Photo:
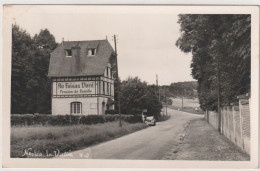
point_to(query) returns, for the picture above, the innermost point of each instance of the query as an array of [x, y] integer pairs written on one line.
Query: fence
[[235, 123]]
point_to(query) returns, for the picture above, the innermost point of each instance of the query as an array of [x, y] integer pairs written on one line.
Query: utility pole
[[156, 80], [219, 110], [182, 99], [165, 101], [158, 87], [118, 86]]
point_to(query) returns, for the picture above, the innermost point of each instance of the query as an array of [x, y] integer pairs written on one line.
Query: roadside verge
[[203, 142], [50, 141]]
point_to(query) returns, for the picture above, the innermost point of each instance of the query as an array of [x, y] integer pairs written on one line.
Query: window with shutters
[[110, 92], [108, 72], [104, 87], [108, 89], [76, 108]]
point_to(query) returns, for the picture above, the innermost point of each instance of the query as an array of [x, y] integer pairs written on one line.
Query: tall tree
[[30, 87], [220, 47], [22, 52], [45, 43]]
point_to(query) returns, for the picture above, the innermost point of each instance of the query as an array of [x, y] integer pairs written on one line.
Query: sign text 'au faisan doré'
[[73, 88]]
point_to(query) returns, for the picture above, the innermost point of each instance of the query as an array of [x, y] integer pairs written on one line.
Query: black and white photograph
[[130, 86]]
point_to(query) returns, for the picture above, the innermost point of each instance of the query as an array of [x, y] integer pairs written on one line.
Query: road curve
[[149, 144]]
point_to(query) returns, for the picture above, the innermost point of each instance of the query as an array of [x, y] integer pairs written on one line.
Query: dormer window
[[68, 53], [91, 52]]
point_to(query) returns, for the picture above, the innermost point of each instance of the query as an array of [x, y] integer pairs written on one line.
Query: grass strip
[[43, 141]]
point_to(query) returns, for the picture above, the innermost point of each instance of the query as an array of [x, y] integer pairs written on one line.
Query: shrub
[[91, 119], [133, 118], [111, 112], [163, 118]]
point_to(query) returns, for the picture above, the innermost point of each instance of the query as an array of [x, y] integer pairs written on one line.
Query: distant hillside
[[186, 89]]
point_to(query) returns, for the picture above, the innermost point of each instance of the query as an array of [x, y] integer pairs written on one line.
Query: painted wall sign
[[74, 88]]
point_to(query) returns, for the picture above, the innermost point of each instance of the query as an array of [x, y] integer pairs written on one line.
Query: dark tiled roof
[[82, 65]]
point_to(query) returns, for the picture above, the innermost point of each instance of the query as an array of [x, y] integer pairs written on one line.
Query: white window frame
[[75, 108], [90, 50]]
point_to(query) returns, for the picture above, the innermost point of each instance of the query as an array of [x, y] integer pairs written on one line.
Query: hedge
[[111, 112], [38, 119]]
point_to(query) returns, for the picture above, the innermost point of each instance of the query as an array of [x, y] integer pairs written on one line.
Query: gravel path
[[203, 142]]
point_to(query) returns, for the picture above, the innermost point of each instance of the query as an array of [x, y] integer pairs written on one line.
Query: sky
[[146, 35]]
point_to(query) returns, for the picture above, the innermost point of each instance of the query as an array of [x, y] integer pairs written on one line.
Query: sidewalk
[[203, 142]]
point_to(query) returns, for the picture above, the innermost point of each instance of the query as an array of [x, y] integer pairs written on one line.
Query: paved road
[[151, 143]]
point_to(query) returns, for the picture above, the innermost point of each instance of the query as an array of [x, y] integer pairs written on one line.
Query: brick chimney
[[76, 55]]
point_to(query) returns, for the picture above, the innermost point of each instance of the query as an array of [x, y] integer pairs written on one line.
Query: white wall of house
[[90, 105]]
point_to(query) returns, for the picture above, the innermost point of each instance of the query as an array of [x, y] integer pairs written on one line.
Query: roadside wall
[[235, 123]]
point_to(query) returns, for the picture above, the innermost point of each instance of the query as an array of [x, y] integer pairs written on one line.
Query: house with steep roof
[[82, 77]]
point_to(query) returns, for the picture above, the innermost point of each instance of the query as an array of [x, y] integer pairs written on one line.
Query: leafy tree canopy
[[30, 88], [136, 95], [217, 43]]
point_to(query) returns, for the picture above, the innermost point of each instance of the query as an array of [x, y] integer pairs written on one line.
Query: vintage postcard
[[130, 86]]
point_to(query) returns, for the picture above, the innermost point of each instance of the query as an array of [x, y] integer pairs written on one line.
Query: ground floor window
[[75, 108]]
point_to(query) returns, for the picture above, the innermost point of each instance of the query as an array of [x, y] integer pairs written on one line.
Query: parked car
[[150, 120]]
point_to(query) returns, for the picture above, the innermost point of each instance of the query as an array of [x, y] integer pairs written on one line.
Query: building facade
[[82, 77]]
